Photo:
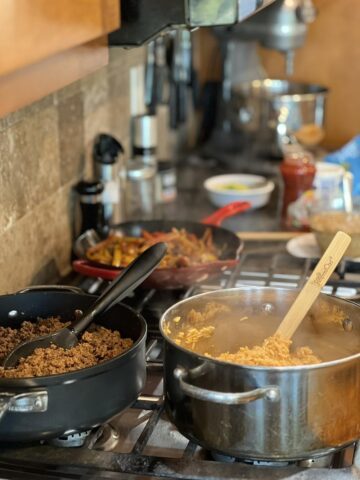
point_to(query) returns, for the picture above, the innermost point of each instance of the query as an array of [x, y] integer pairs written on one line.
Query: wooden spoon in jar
[[309, 293]]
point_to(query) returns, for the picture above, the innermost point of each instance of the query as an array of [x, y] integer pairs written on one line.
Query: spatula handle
[[313, 286], [130, 278]]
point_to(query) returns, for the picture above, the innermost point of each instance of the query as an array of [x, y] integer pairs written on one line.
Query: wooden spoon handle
[[313, 286]]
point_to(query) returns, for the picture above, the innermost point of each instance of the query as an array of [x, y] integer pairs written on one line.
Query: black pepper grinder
[[91, 206], [110, 170]]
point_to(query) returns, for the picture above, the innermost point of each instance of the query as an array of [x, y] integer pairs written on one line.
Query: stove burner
[[107, 438], [340, 459], [76, 439], [221, 457]]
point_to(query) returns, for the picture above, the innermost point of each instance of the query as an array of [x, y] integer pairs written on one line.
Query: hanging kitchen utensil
[[150, 76], [226, 242], [67, 337], [161, 72], [309, 293]]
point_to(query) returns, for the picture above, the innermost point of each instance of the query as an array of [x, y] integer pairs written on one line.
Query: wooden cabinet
[[47, 44]]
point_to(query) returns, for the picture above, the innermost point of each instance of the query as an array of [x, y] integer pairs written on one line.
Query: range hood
[[142, 20]]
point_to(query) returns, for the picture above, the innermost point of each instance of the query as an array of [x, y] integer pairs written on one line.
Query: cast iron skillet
[[47, 407], [227, 242]]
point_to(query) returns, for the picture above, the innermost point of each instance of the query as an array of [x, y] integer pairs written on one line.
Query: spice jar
[[298, 172], [140, 190], [144, 144]]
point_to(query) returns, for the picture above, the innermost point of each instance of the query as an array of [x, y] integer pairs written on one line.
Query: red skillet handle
[[85, 268], [229, 210]]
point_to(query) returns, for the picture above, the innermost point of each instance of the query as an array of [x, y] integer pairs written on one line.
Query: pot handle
[[52, 288], [229, 210], [270, 392], [23, 402]]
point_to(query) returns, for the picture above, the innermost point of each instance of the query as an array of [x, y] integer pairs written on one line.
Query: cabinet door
[[33, 30]]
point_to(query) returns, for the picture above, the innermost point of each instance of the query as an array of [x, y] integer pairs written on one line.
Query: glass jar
[[298, 172], [140, 190]]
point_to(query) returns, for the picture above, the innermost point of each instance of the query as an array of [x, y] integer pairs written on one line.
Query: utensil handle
[[51, 288], [229, 210], [132, 276], [313, 286], [271, 392], [29, 402]]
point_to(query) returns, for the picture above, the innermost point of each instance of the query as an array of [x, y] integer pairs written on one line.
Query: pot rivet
[[13, 314], [273, 394], [268, 307], [347, 325]]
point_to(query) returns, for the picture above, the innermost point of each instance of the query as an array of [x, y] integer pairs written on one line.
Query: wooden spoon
[[325, 267]]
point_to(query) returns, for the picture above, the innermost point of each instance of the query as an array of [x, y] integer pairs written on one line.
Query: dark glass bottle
[[91, 205]]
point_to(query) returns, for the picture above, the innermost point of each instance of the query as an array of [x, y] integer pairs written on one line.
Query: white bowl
[[257, 195]]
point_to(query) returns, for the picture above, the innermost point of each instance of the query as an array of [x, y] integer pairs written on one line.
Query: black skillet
[[47, 407], [37, 408]]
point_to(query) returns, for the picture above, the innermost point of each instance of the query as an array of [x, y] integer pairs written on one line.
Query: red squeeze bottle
[[298, 172]]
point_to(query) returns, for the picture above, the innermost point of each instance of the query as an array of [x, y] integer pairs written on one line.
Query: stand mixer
[[260, 115]]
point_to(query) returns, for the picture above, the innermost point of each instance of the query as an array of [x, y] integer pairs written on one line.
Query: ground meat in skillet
[[97, 345]]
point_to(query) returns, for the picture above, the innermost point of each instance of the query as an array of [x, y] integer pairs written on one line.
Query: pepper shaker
[[145, 139]]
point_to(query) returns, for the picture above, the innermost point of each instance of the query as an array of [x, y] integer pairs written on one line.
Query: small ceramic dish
[[325, 224], [223, 189]]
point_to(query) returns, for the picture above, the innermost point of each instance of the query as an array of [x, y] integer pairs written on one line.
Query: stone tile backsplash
[[45, 149]]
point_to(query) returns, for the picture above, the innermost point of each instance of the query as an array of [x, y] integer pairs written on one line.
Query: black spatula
[[67, 337]]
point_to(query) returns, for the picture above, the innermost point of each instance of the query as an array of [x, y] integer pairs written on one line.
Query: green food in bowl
[[239, 187]]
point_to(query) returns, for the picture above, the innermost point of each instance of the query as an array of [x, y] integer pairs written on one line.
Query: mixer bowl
[[269, 111]]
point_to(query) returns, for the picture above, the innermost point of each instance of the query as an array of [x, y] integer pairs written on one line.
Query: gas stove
[[141, 442]]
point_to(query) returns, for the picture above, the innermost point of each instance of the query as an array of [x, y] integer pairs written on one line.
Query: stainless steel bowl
[[272, 111], [266, 413]]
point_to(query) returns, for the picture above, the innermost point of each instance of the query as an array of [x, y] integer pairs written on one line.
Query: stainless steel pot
[[269, 112], [267, 413]]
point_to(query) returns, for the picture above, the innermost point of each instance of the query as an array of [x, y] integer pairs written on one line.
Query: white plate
[[305, 246]]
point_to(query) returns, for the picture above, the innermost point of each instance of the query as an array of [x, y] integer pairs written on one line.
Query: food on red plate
[[184, 249]]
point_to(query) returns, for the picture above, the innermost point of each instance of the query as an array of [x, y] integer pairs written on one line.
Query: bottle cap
[[106, 149]]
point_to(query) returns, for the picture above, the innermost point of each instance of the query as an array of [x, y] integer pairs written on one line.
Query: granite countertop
[[193, 204]]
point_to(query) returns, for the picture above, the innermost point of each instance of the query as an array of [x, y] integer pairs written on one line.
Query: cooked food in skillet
[[195, 332], [97, 345], [184, 249]]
